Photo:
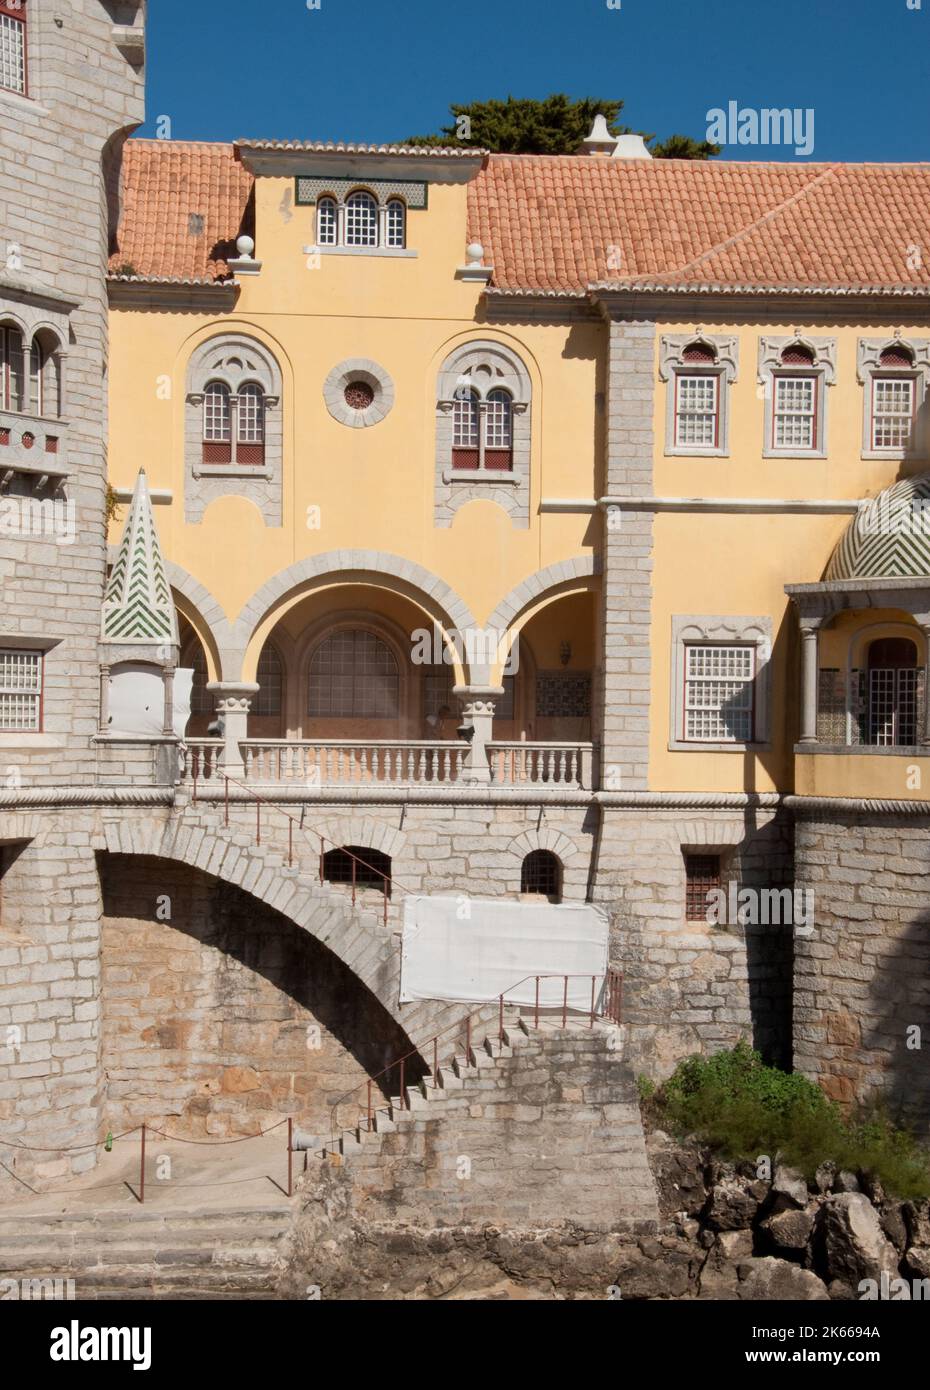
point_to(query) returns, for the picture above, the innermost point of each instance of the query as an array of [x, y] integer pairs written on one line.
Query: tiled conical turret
[[137, 606]]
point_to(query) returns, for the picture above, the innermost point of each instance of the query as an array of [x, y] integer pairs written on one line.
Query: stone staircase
[[544, 1121], [134, 1253]]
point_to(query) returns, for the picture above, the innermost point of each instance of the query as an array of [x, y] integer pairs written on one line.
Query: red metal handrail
[[612, 995]]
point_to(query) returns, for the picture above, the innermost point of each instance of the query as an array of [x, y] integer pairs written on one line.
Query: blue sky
[[377, 70]]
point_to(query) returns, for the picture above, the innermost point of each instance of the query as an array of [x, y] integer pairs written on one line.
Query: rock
[[917, 1260], [894, 1226], [855, 1247], [917, 1219], [732, 1205], [842, 1293], [679, 1178], [823, 1178], [791, 1229], [790, 1185], [769, 1279], [687, 1228], [733, 1245], [873, 1189], [845, 1182]]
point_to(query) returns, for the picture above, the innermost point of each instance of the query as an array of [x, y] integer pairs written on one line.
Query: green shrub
[[741, 1108]]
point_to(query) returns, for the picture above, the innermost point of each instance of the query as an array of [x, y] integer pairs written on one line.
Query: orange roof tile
[[183, 206], [559, 224]]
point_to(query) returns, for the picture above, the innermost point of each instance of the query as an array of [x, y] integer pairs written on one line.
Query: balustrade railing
[[393, 762]]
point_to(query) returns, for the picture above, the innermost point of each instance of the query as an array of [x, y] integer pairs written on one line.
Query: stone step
[[48, 1259]]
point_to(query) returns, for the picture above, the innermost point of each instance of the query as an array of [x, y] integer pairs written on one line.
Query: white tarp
[[474, 949]]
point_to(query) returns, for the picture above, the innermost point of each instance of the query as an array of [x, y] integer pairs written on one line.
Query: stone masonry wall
[[219, 1015], [862, 980], [549, 1134], [58, 145]]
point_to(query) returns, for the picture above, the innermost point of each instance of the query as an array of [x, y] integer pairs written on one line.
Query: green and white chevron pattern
[[138, 606], [890, 536]]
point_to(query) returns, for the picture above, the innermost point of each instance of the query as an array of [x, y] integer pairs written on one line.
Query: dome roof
[[889, 538]]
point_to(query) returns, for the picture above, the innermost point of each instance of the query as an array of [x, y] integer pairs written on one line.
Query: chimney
[[600, 142], [630, 147]]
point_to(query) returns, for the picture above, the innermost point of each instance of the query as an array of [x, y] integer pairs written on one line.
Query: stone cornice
[[822, 505], [846, 805], [65, 797], [140, 292]]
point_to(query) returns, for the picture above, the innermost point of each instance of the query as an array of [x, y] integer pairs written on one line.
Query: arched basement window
[[542, 873], [370, 867], [353, 675]]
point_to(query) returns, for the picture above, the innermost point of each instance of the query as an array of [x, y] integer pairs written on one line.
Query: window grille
[[702, 877], [367, 868], [270, 677], [541, 873], [696, 410], [719, 693], [353, 675], [20, 689]]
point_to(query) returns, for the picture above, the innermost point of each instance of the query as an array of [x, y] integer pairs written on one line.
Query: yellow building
[[599, 430]]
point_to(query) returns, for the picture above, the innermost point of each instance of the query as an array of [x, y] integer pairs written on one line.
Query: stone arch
[[363, 830], [546, 838], [355, 936], [410, 580], [515, 610], [204, 614]]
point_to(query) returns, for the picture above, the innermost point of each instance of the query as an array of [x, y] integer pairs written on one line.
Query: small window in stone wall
[[354, 864], [563, 695], [542, 873], [702, 876]]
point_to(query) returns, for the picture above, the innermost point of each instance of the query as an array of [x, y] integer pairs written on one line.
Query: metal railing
[[606, 1003]]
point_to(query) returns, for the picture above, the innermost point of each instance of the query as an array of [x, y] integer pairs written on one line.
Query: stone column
[[233, 702], [810, 629], [104, 697], [477, 704], [167, 676]]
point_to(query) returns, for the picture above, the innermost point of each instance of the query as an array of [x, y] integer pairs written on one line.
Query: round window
[[359, 395]]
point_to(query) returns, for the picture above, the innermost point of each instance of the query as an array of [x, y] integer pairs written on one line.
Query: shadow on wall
[[890, 1045], [220, 1015]]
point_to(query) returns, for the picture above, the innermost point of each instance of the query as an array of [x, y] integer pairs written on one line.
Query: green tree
[[554, 125]]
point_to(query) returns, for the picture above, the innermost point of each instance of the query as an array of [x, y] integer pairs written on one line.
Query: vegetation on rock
[[744, 1109]]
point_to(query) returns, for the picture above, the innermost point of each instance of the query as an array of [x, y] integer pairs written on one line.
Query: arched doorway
[[892, 692]]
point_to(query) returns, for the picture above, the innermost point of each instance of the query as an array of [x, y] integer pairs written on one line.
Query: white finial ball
[[245, 246], [475, 252]]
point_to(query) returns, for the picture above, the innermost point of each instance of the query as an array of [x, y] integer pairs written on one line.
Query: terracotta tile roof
[[559, 225], [183, 205]]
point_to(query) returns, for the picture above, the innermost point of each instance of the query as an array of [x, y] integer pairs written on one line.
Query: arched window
[[699, 353], [37, 379], [498, 437], [353, 675], [361, 220], [697, 399], [797, 355], [542, 874], [270, 677], [465, 429], [13, 45], [892, 692], [12, 368], [894, 357], [327, 224], [217, 436], [795, 401], [396, 229], [365, 868], [250, 424]]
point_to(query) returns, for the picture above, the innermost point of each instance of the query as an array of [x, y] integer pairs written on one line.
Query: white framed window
[[12, 364], [37, 379], [794, 404], [396, 224], [720, 677], [699, 370], [893, 411], [361, 217], [719, 693], [250, 414], [13, 45], [697, 410], [216, 413], [20, 690], [327, 222]]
